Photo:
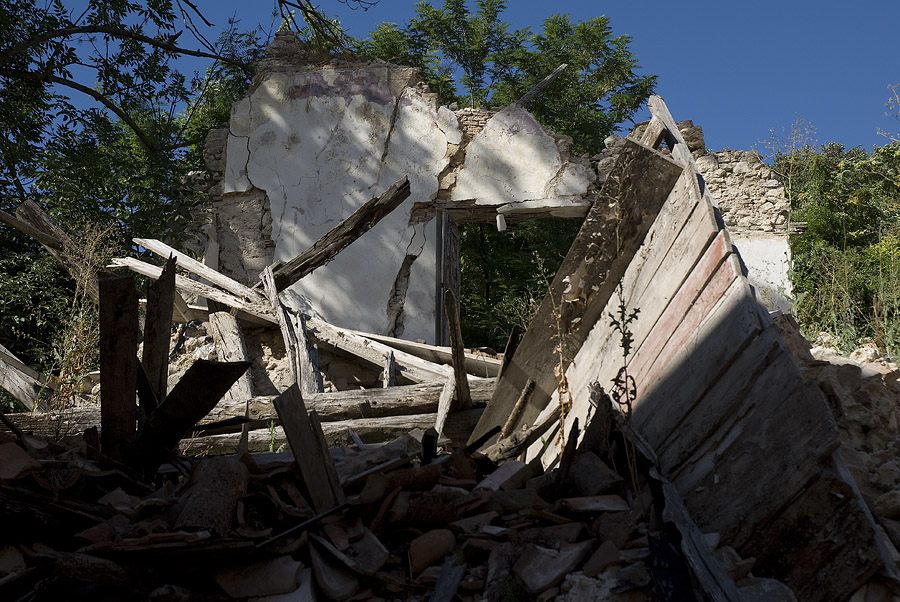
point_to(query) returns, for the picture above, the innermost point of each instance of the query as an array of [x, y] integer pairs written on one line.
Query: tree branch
[[65, 32], [99, 97]]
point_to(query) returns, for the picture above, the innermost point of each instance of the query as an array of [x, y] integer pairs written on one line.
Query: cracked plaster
[[309, 145]]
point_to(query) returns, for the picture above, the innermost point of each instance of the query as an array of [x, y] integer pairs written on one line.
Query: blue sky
[[737, 69]]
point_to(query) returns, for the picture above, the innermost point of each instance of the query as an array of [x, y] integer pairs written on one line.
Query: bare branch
[[99, 97]]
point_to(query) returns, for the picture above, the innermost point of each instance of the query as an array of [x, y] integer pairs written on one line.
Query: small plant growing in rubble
[[624, 389], [76, 350]]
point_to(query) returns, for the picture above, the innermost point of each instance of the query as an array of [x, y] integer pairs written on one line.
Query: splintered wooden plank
[[807, 548], [158, 329], [339, 237], [709, 350], [313, 460], [118, 363], [195, 267], [20, 381], [744, 379], [253, 311], [612, 233], [230, 347], [304, 361], [58, 244], [451, 310], [760, 465], [192, 397]]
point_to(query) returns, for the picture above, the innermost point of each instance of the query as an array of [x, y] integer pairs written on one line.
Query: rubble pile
[[648, 438], [416, 524]]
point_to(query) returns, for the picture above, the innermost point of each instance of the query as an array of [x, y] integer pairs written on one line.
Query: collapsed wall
[[312, 141]]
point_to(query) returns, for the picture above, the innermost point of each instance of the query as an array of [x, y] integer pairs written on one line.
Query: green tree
[[846, 265], [99, 127], [474, 58]]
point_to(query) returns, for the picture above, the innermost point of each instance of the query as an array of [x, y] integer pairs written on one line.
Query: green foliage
[[845, 265], [98, 127], [474, 58], [505, 275]]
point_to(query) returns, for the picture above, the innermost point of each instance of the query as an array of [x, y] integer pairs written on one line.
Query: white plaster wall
[[768, 259], [513, 159], [320, 144]]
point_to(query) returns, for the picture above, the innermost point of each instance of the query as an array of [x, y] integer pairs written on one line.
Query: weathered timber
[[510, 349], [806, 545], [681, 235], [445, 404], [195, 267], [157, 331], [695, 299], [389, 373], [304, 360], [748, 376], [59, 245], [711, 348], [257, 313], [307, 442], [409, 366], [39, 235], [118, 363], [630, 201], [401, 400], [477, 364], [674, 139], [371, 430], [20, 381], [710, 582], [755, 477], [339, 237], [192, 397], [230, 347], [451, 310], [540, 86], [654, 133], [470, 211]]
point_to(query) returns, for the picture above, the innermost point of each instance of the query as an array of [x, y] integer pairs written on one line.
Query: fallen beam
[[339, 237]]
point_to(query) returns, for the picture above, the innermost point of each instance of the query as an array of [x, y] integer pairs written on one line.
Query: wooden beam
[[261, 313], [118, 363], [307, 442], [609, 239], [158, 331], [195, 267], [349, 230], [379, 430], [198, 392], [541, 85], [304, 358], [477, 364], [366, 404], [408, 366], [20, 381], [57, 244], [451, 311], [230, 347]]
